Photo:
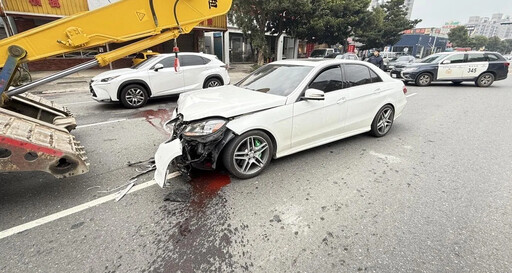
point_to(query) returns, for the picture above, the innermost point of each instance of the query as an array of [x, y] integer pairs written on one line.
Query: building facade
[[22, 15], [490, 26]]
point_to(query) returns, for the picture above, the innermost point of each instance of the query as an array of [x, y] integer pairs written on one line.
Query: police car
[[481, 67]]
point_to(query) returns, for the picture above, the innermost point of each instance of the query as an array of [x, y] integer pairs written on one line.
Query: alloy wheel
[[486, 80], [424, 79], [385, 121], [213, 83], [135, 96], [251, 155]]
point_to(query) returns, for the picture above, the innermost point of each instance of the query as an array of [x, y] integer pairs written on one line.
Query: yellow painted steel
[[123, 21], [215, 23], [59, 8]]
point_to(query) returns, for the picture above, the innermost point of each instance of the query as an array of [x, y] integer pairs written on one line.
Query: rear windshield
[[318, 53]]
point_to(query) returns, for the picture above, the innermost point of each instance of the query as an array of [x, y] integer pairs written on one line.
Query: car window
[[318, 53], [476, 57], [455, 59], [206, 60], [190, 60], [167, 62], [492, 57], [328, 80], [356, 74], [374, 76]]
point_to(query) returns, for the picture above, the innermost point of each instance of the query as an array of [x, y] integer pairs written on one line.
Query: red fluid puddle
[[206, 185], [157, 118]]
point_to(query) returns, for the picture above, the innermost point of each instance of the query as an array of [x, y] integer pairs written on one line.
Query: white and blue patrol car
[[483, 68]]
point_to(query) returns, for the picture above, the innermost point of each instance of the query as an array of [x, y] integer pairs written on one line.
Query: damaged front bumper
[[165, 154], [184, 152]]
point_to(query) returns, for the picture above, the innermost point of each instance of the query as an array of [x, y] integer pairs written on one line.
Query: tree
[[459, 37], [494, 44], [478, 42], [507, 46], [333, 21], [384, 25], [257, 17]]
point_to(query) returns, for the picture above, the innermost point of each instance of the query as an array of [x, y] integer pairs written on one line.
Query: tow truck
[[35, 132]]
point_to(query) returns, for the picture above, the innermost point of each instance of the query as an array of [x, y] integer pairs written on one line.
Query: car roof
[[316, 62]]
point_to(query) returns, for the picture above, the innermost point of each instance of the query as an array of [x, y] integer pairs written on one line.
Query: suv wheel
[[212, 82], [134, 96], [485, 80], [424, 79]]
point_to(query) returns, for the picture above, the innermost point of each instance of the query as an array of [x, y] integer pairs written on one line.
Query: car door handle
[[341, 100]]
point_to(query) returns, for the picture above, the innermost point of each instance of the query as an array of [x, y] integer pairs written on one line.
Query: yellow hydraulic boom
[[34, 133]]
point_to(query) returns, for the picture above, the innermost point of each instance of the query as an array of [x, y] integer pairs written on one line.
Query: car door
[[166, 80], [452, 68], [194, 70], [362, 89], [316, 120], [476, 64]]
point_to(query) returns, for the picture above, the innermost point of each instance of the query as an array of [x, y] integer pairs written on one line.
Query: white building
[[490, 27]]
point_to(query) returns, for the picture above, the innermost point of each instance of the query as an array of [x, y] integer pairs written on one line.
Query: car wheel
[[134, 96], [485, 80], [424, 79], [456, 82], [247, 155], [383, 121], [213, 82]]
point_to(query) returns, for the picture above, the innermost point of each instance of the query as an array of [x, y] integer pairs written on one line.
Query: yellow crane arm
[[123, 21]]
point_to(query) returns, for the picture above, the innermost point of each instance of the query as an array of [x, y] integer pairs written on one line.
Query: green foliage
[[459, 37], [478, 42], [384, 25], [333, 21]]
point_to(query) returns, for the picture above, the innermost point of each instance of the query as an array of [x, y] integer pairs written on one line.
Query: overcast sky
[[436, 12]]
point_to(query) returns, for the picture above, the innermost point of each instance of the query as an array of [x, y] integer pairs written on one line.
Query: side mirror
[[158, 67], [314, 94], [446, 62]]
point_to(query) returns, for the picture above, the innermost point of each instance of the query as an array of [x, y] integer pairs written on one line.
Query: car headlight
[[204, 128], [411, 69], [169, 125], [109, 78]]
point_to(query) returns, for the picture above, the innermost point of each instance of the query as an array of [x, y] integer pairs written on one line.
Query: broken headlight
[[203, 128], [169, 125]]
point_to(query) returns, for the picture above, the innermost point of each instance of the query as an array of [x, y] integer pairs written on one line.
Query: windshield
[[276, 79], [403, 59], [318, 53], [433, 58], [143, 63]]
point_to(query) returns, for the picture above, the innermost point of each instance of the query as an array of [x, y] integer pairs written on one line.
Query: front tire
[[424, 79], [383, 121], [213, 82], [247, 155], [134, 96], [485, 80]]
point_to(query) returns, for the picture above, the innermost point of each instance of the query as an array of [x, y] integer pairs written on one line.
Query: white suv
[[157, 77]]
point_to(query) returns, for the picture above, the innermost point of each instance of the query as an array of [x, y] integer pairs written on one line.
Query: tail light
[[225, 66], [405, 90], [507, 64]]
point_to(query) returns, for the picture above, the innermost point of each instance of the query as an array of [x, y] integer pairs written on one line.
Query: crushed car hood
[[225, 101]]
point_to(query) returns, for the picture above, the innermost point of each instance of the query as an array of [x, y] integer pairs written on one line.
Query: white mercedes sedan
[[280, 109]]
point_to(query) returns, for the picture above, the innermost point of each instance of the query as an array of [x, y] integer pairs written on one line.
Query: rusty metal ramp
[[28, 143]]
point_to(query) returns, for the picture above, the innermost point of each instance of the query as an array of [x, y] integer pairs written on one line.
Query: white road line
[[411, 95], [83, 102], [50, 218], [100, 123]]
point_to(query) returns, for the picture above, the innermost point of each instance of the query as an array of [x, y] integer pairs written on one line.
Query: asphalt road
[[434, 195]]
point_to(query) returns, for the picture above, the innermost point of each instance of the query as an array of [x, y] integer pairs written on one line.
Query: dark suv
[[481, 67]]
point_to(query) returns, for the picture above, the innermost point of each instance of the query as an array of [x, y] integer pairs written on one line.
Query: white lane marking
[[50, 218], [388, 158], [100, 123], [411, 95], [76, 103]]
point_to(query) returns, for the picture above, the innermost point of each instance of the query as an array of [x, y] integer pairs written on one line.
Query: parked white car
[[280, 109], [157, 77]]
